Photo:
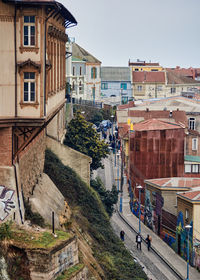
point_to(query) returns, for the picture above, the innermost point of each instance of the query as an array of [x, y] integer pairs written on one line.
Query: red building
[[156, 150]]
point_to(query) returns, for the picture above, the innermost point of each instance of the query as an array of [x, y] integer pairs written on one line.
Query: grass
[[116, 262], [38, 240], [72, 271]]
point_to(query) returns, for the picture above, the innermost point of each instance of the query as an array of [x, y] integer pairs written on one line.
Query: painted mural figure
[[6, 202]]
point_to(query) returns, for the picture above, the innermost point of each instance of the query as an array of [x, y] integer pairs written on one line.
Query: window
[[29, 87], [124, 86], [186, 215], [74, 71], [80, 86], [188, 168], [104, 86], [80, 70], [195, 168], [194, 144], [192, 123], [93, 72], [73, 85], [29, 30], [136, 69], [173, 90], [159, 88], [139, 88]]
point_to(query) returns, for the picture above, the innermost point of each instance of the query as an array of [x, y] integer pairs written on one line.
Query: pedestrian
[[139, 240], [122, 233], [148, 241]]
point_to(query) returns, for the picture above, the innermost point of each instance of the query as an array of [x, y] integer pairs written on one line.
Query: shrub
[[34, 217]]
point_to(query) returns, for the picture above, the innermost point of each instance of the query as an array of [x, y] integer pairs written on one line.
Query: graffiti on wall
[[6, 202], [65, 259], [182, 238], [148, 216]]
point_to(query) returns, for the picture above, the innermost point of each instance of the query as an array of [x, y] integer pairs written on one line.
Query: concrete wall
[[46, 193], [76, 160]]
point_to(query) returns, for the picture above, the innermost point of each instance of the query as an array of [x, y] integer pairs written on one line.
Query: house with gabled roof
[[116, 82], [85, 74]]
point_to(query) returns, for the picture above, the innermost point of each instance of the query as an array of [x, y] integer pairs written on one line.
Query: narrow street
[[153, 266]]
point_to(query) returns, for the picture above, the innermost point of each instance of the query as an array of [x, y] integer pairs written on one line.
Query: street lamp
[[188, 227], [112, 116], [118, 154], [139, 188]]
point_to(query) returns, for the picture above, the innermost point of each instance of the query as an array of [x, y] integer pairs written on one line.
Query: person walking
[[122, 233], [139, 240], [148, 241]]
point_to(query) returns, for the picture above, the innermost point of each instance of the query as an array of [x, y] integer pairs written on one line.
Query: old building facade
[[32, 92]]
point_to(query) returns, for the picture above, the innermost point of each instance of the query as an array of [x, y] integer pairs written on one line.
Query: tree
[[83, 138], [109, 198]]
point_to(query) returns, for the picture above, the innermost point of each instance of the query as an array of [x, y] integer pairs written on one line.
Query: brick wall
[[6, 146], [31, 163]]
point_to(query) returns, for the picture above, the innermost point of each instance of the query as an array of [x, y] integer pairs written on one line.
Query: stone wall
[[46, 265], [31, 164], [76, 160]]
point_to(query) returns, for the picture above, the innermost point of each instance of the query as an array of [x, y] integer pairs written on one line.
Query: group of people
[[138, 240]]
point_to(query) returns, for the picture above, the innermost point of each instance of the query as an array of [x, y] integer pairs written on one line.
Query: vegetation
[[5, 231], [72, 271], [83, 138], [44, 239], [108, 249], [109, 198]]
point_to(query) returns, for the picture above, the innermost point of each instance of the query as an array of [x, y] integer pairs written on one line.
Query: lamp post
[[188, 227], [118, 154], [112, 116], [139, 188]]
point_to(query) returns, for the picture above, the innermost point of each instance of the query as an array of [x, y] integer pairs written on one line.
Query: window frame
[[123, 86], [139, 88], [30, 82], [192, 122], [173, 90], [104, 85], [93, 72], [29, 24], [195, 144], [28, 48]]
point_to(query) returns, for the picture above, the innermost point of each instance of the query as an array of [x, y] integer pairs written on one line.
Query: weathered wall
[[46, 193], [76, 160], [11, 202], [47, 265], [31, 164], [6, 146]]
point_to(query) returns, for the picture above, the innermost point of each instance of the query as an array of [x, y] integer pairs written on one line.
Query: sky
[[114, 31]]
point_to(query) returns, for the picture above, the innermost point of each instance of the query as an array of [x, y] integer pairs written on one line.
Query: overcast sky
[[114, 31]]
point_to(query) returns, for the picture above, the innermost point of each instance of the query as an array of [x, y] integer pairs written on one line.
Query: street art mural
[[197, 258], [134, 204], [182, 237], [6, 202], [148, 210]]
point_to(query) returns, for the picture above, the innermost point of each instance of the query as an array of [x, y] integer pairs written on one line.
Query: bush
[[5, 230]]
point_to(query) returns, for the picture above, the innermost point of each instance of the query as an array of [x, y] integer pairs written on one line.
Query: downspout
[[44, 67], [15, 47]]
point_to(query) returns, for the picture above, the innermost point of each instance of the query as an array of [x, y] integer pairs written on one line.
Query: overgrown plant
[[109, 198], [5, 230], [108, 249]]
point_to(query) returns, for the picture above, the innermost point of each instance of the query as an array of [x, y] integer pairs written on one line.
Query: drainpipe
[[44, 67], [15, 47]]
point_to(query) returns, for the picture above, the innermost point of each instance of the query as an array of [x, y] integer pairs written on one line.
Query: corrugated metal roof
[[155, 124], [82, 54], [115, 74]]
